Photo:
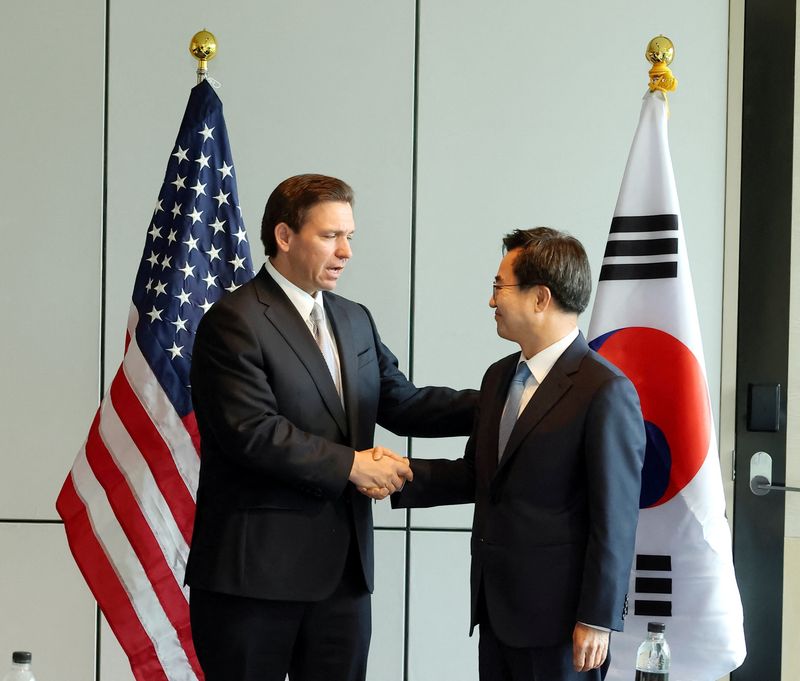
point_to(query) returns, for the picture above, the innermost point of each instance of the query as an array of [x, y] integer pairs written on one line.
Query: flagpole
[[203, 47]]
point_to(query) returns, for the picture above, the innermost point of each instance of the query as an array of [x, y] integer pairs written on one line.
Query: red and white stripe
[[128, 508]]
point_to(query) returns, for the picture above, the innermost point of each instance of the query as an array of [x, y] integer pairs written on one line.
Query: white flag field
[[645, 321]]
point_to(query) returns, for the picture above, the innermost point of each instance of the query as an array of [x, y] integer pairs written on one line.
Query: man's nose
[[343, 249]]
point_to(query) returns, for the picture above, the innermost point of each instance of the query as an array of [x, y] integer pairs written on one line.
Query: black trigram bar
[[653, 585], [652, 608], [644, 223], [644, 270], [653, 562], [641, 247]]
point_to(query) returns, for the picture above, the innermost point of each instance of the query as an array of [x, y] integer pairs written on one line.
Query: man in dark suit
[[288, 382], [554, 468]]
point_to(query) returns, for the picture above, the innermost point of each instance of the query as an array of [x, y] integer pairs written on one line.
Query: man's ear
[[283, 235], [544, 298]]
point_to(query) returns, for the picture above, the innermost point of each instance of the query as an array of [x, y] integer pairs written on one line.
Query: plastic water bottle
[[652, 658], [20, 667]]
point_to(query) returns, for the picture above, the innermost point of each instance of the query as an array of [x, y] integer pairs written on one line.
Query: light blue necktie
[[512, 406]]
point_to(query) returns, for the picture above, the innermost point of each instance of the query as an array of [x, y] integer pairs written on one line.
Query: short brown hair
[[554, 259], [291, 200]]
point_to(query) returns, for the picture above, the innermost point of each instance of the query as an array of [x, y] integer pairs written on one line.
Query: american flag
[[128, 503]]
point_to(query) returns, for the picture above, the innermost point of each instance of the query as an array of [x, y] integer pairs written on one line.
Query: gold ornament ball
[[660, 50], [203, 46]]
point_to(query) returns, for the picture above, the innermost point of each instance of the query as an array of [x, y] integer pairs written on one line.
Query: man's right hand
[[380, 468]]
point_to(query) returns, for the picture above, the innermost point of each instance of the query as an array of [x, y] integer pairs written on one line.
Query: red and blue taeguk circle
[[672, 391]]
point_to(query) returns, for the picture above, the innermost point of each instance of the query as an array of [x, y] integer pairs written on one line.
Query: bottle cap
[[656, 627], [21, 657]]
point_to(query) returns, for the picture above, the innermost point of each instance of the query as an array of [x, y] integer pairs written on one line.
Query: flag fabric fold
[[645, 321], [128, 502]]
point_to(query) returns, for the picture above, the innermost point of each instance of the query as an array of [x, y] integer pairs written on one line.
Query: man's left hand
[[589, 647]]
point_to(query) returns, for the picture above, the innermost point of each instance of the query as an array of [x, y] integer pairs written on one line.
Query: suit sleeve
[[234, 400], [410, 411], [441, 482], [615, 444]]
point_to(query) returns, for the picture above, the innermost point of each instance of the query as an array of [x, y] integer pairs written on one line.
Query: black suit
[[555, 522], [276, 515]]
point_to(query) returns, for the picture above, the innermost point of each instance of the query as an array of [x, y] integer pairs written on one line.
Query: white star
[[179, 324], [213, 253], [171, 237], [192, 243], [181, 154], [149, 285], [179, 182], [206, 305], [218, 225], [184, 297], [225, 170], [206, 132], [155, 232], [241, 235], [188, 270], [203, 161], [222, 198], [237, 262], [199, 188], [232, 287], [175, 350], [165, 262], [210, 280], [153, 259], [159, 207], [155, 314], [159, 288], [195, 215], [176, 209]]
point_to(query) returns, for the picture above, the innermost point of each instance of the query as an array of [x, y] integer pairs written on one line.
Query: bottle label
[[651, 676]]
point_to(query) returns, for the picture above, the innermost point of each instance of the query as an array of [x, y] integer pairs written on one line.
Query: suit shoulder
[[233, 304]]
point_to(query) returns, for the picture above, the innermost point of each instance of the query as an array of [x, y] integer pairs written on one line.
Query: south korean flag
[[645, 322]]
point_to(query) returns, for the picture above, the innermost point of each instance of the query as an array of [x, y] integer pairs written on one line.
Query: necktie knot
[[523, 373]]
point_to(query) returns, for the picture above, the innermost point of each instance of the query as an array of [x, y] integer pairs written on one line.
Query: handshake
[[378, 472]]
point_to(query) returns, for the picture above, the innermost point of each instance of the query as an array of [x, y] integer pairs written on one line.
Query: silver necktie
[[325, 344]]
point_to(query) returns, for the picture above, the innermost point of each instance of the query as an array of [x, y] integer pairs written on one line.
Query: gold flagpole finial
[[203, 47], [660, 52]]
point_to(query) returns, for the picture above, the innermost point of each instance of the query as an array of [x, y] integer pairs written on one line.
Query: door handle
[[761, 476]]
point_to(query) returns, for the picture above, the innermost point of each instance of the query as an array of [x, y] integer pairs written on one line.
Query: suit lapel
[[547, 395], [348, 360], [287, 321], [495, 395]]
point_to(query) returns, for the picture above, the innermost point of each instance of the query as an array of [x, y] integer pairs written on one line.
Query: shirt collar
[[541, 363], [303, 302]]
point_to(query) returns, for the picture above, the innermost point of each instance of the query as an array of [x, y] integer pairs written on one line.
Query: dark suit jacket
[[275, 510], [555, 522]]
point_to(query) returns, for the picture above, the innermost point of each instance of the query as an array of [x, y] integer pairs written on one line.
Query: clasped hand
[[378, 472]]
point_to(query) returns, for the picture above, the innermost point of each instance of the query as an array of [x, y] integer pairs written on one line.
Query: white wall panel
[[50, 187], [307, 87], [388, 607], [439, 645], [526, 114], [45, 605]]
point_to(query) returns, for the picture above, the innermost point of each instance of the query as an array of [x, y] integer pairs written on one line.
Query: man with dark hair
[[554, 468], [288, 382]]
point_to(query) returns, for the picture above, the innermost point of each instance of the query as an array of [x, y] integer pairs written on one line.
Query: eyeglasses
[[498, 287]]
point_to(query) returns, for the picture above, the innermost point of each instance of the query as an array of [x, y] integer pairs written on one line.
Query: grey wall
[[525, 113]]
